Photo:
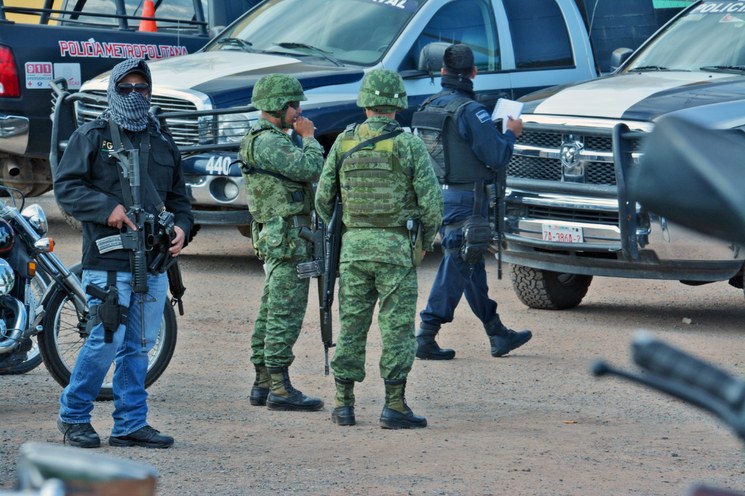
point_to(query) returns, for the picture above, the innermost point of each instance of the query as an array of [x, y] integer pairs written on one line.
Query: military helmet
[[274, 91], [383, 88]]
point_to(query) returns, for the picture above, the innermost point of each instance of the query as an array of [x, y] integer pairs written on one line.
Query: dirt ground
[[532, 423]]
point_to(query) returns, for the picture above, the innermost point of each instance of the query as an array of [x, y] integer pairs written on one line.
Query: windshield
[[709, 37], [354, 32]]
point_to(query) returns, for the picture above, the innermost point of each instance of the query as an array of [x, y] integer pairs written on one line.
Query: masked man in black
[[95, 185]]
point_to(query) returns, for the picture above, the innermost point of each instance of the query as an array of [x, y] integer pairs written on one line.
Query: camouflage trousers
[[361, 285], [281, 314]]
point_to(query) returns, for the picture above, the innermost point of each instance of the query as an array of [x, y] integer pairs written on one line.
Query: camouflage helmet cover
[[273, 92], [382, 88]]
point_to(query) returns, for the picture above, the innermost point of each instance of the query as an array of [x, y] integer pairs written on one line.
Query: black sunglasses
[[295, 105], [126, 88]]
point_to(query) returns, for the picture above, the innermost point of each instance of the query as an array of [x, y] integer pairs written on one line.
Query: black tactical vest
[[452, 158]]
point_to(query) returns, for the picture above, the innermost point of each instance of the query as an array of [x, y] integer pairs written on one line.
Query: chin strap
[[281, 116]]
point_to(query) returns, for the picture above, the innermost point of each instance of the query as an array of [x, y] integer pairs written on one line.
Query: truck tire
[[546, 290]]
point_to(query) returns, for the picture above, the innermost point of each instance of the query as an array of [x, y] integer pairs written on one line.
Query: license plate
[[562, 234]]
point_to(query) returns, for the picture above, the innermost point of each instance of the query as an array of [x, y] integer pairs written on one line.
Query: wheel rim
[[69, 341]]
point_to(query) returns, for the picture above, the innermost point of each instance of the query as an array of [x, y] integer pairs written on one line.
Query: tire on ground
[[546, 290]]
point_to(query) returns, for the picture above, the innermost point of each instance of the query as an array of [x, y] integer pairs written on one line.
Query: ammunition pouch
[[476, 238]]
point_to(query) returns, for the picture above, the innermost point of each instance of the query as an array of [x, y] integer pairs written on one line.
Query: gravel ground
[[532, 423]]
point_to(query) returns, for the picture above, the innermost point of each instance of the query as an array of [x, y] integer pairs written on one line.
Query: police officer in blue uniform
[[472, 151]]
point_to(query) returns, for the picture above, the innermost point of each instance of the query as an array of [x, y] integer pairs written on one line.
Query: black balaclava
[[129, 111]]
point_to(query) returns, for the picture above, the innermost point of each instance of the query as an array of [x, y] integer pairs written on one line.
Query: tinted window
[[539, 34], [464, 21]]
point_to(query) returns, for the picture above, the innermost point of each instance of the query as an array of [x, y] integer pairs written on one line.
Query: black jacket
[[87, 186]]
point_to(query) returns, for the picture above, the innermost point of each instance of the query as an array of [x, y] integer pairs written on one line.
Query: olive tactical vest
[[269, 193], [376, 189], [452, 158]]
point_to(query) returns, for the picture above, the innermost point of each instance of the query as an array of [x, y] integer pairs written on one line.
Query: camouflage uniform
[[278, 175], [276, 238], [376, 261]]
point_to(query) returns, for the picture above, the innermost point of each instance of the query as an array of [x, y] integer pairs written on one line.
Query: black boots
[[79, 435], [261, 387], [343, 414], [502, 339], [428, 349], [285, 397], [396, 413]]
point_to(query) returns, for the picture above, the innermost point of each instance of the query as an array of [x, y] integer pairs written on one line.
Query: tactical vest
[[452, 158], [270, 194], [376, 188]]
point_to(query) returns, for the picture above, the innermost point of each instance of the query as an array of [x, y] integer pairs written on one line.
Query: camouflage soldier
[[392, 207], [278, 176]]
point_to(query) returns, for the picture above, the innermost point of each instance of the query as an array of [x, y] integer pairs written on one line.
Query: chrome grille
[[525, 165], [544, 169], [571, 215], [185, 130]]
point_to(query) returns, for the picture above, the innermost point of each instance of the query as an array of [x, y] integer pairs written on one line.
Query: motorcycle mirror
[[692, 175]]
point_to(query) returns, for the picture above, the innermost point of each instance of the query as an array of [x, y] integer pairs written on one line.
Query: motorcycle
[[41, 297], [21, 286]]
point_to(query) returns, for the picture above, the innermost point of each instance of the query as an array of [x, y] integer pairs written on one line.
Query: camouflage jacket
[[280, 184], [388, 245]]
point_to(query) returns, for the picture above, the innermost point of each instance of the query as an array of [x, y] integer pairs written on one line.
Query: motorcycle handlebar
[[685, 377], [665, 361]]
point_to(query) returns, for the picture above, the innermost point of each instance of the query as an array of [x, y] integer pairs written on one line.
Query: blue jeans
[[126, 352]]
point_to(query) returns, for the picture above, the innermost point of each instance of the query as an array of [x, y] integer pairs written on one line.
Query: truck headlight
[[7, 277], [231, 128]]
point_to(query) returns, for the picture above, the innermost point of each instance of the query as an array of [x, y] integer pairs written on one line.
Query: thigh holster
[[109, 312]]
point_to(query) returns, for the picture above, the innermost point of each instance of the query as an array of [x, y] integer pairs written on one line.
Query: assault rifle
[[496, 200], [135, 241], [325, 243]]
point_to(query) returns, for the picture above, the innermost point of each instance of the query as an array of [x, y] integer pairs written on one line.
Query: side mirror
[[215, 30], [618, 57]]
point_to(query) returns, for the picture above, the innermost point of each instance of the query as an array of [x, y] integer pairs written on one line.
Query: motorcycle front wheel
[[62, 339], [33, 357]]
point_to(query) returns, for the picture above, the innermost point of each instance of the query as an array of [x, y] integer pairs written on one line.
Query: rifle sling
[[366, 143], [119, 141]]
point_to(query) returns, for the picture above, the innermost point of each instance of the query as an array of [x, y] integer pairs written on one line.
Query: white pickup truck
[[568, 213]]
